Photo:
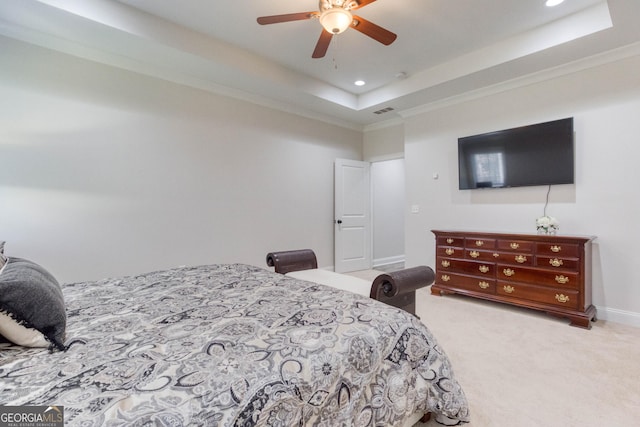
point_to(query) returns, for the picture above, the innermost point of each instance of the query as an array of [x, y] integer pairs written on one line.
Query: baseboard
[[389, 260], [630, 318], [376, 262]]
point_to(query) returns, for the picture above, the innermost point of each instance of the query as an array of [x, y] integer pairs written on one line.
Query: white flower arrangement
[[547, 225]]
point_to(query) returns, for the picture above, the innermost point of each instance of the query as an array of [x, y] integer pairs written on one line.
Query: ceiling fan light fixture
[[335, 20]]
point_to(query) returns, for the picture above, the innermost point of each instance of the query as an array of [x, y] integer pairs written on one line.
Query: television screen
[[539, 154]]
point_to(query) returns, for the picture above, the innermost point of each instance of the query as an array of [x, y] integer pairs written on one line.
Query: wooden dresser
[[547, 273]]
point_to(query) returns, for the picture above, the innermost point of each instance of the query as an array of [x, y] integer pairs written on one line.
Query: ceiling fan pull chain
[[336, 48]]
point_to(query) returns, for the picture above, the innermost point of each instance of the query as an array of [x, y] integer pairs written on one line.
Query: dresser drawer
[[563, 279], [560, 297], [558, 249], [476, 268], [517, 258], [479, 243], [450, 241], [466, 282], [479, 255], [449, 251], [557, 263], [516, 245], [495, 256]]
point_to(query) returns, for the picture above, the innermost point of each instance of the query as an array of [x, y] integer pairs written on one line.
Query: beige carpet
[[522, 368]]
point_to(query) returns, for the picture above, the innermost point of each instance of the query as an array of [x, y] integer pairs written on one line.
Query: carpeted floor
[[521, 368]]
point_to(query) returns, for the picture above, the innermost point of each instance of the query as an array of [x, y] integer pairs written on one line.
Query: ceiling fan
[[335, 17]]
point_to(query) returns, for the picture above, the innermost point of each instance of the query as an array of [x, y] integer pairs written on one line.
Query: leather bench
[[396, 288]]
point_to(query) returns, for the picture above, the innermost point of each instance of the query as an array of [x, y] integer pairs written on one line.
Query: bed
[[228, 345]]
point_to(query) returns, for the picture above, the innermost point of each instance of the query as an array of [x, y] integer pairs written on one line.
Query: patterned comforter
[[233, 345]]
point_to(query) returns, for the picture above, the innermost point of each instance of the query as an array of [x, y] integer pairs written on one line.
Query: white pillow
[[21, 335]]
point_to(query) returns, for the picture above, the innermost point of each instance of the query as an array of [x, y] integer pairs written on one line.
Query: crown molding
[[607, 57]]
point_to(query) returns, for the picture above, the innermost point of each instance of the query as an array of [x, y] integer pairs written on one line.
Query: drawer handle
[[555, 262], [556, 249], [479, 243], [483, 268], [445, 278], [508, 289], [562, 298], [521, 259], [474, 254], [562, 279], [449, 240], [449, 251], [508, 272], [445, 263], [483, 284], [496, 255], [514, 245]]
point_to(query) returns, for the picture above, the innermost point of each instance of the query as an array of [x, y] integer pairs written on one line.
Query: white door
[[352, 216]]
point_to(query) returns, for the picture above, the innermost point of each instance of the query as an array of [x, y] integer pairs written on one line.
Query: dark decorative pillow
[[32, 311]]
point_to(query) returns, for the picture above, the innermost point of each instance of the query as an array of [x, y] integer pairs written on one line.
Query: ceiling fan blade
[[275, 19], [322, 45], [362, 3], [372, 30]]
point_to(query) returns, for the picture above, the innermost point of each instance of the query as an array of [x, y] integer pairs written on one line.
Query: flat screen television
[[539, 154]]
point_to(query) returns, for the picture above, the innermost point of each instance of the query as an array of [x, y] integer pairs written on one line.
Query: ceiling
[[444, 49]]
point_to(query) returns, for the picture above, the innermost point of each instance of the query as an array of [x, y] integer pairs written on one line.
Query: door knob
[[339, 221]]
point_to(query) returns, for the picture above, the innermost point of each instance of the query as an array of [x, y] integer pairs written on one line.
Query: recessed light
[[359, 83], [551, 3]]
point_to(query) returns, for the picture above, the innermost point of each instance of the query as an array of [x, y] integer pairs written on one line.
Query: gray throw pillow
[[32, 310]]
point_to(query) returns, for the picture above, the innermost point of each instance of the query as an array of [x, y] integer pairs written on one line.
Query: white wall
[[387, 190], [105, 172], [605, 102], [384, 143]]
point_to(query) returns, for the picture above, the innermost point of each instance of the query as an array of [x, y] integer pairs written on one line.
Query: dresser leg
[[584, 321], [580, 322]]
